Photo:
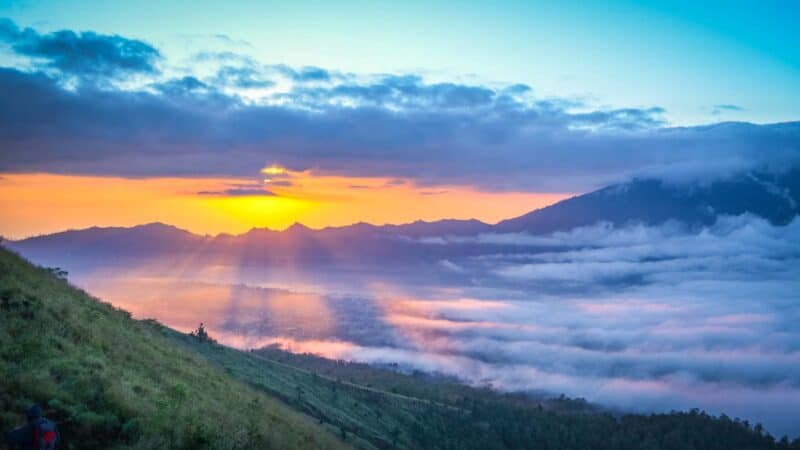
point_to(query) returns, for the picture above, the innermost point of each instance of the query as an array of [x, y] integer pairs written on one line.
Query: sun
[[273, 170]]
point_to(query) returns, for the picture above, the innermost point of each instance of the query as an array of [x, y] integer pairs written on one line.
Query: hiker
[[38, 434]]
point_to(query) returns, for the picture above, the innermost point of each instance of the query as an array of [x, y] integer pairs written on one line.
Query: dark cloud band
[[397, 126]]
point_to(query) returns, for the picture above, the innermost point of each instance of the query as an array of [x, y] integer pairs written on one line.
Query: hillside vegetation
[[114, 382], [380, 408]]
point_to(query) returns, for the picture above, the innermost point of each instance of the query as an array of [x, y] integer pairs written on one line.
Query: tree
[[201, 334], [59, 272]]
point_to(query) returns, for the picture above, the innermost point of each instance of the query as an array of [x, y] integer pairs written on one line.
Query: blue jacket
[[24, 436]]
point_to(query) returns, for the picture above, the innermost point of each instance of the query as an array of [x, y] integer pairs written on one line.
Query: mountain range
[[772, 196]]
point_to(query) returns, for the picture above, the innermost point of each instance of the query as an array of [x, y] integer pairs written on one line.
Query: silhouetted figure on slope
[[202, 335], [38, 434]]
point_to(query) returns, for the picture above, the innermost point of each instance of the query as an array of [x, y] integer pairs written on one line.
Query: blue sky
[[686, 57]]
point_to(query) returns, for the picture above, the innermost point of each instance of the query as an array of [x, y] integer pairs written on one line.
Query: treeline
[[499, 425], [481, 418], [414, 383]]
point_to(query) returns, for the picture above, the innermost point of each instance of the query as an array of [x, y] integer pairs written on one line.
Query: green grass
[[368, 417], [114, 382]]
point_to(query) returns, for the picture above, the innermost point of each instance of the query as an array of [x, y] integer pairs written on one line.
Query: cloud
[[241, 192], [225, 39], [395, 93], [185, 86], [432, 133], [242, 113], [303, 74], [241, 77], [719, 109], [225, 56], [85, 54], [645, 318], [452, 267]]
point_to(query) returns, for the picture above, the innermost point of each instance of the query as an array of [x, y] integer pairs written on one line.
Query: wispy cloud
[[720, 109], [236, 192]]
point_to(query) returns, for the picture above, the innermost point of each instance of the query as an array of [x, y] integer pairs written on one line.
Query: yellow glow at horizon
[[32, 204], [273, 170]]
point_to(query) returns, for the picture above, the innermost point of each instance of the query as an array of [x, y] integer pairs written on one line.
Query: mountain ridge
[[645, 200]]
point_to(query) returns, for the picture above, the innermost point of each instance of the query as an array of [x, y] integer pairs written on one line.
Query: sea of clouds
[[636, 318]]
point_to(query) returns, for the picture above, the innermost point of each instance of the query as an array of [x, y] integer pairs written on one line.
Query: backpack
[[44, 435]]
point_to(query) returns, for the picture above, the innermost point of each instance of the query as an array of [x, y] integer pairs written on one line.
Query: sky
[[29, 201], [463, 104], [687, 57]]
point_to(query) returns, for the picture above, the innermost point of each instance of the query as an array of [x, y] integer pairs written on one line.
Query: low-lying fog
[[640, 318]]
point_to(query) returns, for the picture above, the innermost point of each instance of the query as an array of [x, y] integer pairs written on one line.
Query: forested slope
[[381, 408]]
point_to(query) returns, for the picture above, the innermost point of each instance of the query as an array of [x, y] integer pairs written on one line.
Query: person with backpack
[[38, 434]]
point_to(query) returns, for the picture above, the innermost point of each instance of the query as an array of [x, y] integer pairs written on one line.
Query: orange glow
[[334, 349], [43, 203], [184, 304]]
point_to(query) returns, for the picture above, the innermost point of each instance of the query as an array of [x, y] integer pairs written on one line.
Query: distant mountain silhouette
[[108, 243], [774, 197], [651, 202]]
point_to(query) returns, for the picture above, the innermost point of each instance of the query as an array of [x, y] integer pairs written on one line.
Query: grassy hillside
[[379, 408], [114, 382]]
